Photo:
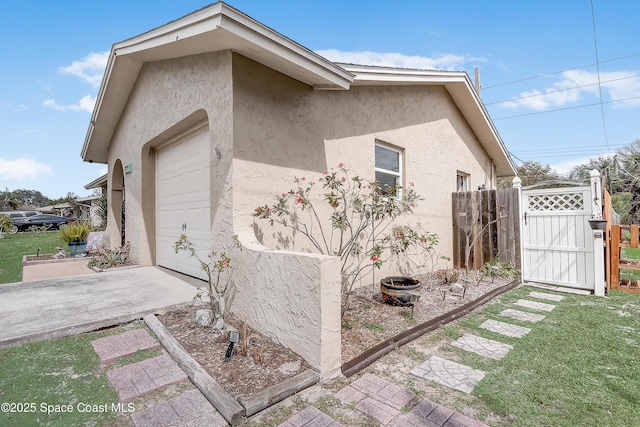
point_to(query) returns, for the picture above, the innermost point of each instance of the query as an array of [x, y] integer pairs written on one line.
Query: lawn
[[580, 366], [14, 246], [630, 253], [60, 383]]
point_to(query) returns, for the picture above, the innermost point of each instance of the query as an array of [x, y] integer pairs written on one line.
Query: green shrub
[[75, 232]]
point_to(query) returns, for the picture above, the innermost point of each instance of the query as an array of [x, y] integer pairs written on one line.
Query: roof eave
[[214, 28]]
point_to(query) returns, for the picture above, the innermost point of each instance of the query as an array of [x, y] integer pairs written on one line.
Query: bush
[[75, 232]]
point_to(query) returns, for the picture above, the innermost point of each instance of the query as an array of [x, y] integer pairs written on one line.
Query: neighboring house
[[92, 203], [207, 117]]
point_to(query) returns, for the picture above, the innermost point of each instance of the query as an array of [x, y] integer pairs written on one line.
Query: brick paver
[[504, 328], [138, 379], [311, 417], [188, 409], [127, 343]]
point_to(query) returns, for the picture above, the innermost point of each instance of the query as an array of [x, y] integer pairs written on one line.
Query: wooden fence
[[623, 236], [486, 226]]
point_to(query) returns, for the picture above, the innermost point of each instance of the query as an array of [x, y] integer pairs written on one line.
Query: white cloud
[[398, 60], [90, 68], [86, 103], [578, 85], [21, 169], [565, 167]]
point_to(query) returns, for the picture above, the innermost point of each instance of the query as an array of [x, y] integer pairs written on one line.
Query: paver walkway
[[482, 346], [504, 328], [450, 374], [535, 305], [136, 380], [125, 344], [522, 315], [465, 378]]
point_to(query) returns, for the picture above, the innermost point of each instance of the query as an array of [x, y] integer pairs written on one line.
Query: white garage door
[[183, 200]]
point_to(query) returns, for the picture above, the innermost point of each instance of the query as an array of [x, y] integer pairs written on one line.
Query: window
[[389, 169], [462, 182]]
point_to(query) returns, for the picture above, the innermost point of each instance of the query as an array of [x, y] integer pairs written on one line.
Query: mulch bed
[[265, 364], [369, 321]]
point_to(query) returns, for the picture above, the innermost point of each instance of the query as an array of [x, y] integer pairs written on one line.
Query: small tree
[[6, 224], [360, 224], [218, 264]]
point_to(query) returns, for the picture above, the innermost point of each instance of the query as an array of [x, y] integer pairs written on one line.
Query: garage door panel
[[183, 201]]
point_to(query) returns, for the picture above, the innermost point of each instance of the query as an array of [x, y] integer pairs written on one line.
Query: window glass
[[388, 169], [387, 159]]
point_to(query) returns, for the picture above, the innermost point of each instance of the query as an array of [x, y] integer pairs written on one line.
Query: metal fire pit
[[400, 290]]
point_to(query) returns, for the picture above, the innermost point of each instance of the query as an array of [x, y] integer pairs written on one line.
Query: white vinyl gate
[[557, 241]]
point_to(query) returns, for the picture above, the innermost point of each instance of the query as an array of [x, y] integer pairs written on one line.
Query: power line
[[561, 90], [566, 108], [559, 72]]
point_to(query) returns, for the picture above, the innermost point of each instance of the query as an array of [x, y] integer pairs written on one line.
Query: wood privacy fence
[[486, 226], [623, 236]]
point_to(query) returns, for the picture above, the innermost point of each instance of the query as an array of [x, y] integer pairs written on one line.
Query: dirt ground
[[368, 321]]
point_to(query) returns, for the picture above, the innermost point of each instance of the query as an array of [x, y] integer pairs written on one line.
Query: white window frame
[[465, 176], [397, 174]]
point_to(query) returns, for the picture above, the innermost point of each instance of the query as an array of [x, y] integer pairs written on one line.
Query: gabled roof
[[213, 28], [461, 89], [221, 27]]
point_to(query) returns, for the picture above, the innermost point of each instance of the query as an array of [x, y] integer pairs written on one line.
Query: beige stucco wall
[[292, 298], [269, 128], [285, 129]]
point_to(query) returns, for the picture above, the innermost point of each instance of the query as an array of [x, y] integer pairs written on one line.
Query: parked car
[[18, 218], [53, 222]]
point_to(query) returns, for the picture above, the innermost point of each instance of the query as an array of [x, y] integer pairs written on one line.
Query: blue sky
[[536, 60]]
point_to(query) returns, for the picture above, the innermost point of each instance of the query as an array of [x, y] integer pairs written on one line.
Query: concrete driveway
[[50, 308]]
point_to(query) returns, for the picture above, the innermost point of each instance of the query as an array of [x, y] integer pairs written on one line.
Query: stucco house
[[205, 118]]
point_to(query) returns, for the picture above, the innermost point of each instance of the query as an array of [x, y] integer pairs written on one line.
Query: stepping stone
[[311, 417], [190, 408], [549, 297], [482, 346], [522, 315], [503, 328], [449, 374], [138, 379], [124, 344], [534, 305]]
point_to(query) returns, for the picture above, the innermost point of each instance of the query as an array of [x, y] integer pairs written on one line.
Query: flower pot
[[598, 224], [77, 248], [400, 290]]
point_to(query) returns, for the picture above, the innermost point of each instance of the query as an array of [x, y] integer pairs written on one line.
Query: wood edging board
[[362, 361], [224, 403], [274, 394]]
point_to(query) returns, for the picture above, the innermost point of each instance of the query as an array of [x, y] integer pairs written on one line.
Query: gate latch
[[525, 218]]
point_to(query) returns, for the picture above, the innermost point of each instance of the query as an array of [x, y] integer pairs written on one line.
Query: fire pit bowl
[[400, 290]]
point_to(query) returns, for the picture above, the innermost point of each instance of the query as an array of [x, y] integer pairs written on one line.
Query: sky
[[557, 94]]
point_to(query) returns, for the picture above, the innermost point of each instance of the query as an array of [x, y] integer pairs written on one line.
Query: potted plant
[[76, 235], [598, 223]]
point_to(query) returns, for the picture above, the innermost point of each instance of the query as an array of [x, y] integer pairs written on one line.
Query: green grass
[[375, 327], [14, 246], [64, 371], [580, 366], [630, 253]]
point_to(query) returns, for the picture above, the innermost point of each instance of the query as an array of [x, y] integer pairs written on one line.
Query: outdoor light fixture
[[234, 338]]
